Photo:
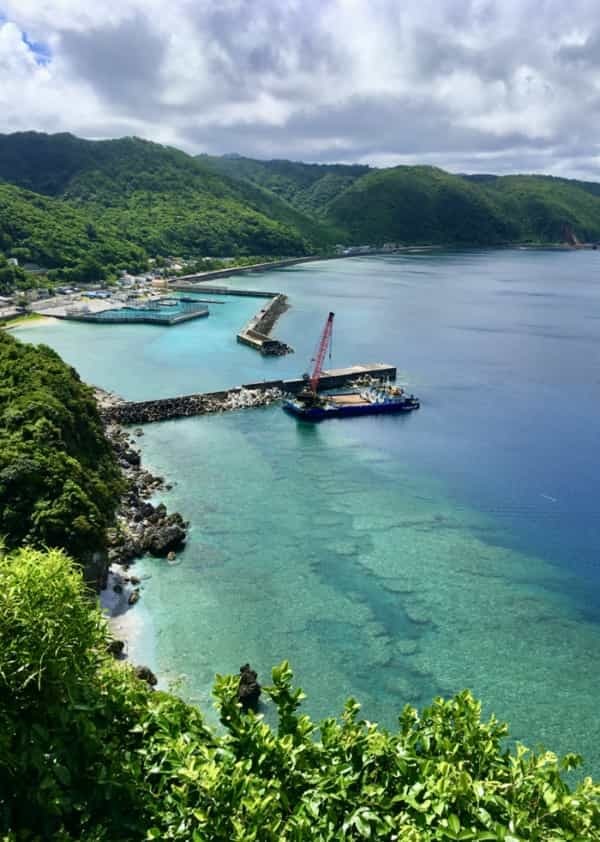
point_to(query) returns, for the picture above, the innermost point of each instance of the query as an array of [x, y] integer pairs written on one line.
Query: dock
[[164, 311], [203, 403]]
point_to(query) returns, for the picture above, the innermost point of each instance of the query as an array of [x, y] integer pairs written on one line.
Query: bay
[[387, 558]]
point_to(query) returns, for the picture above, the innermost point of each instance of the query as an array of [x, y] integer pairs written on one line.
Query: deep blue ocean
[[388, 558]]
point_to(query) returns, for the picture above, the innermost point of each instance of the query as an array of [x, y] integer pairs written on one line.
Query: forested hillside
[[59, 480], [90, 208], [427, 205], [309, 187], [53, 233], [419, 205], [134, 199], [543, 206]]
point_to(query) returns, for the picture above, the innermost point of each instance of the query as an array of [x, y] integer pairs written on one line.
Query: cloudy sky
[[469, 85]]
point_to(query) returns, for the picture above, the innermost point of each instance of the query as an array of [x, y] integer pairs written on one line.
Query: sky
[[467, 85]]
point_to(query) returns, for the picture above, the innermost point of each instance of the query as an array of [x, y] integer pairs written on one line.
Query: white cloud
[[466, 84]]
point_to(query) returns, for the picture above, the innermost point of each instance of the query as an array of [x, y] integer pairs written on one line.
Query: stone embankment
[[241, 270], [115, 411], [256, 333]]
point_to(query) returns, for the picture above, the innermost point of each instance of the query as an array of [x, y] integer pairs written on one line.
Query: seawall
[[239, 270], [256, 333]]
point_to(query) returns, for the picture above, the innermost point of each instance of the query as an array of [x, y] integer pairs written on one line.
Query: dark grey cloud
[[475, 85], [122, 62], [259, 42], [585, 56]]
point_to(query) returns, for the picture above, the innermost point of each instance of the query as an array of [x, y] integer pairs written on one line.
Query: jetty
[[257, 333], [250, 395]]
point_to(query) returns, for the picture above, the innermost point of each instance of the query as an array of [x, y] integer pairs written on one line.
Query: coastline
[[30, 320], [141, 530]]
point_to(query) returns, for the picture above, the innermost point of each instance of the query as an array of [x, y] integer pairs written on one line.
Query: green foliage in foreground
[[59, 481], [89, 752]]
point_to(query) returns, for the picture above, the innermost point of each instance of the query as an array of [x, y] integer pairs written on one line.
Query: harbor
[[165, 311]]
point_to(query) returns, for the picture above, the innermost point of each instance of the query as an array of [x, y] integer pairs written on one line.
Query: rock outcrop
[[248, 688], [146, 674]]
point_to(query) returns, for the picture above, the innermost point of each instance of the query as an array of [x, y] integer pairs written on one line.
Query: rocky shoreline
[[141, 528]]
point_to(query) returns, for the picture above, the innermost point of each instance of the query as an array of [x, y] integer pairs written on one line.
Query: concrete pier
[[185, 406]]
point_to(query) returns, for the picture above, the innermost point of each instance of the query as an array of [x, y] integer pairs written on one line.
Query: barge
[[373, 401], [309, 405]]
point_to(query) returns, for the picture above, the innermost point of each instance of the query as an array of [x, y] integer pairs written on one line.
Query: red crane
[[321, 351]]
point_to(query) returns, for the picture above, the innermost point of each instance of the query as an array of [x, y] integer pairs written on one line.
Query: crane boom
[[321, 351]]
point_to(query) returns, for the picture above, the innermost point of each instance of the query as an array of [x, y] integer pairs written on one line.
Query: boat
[[309, 405], [374, 401]]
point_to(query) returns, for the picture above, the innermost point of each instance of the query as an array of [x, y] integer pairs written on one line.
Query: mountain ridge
[[85, 207]]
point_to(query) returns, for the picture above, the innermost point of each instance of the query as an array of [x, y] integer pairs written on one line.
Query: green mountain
[[547, 208], [89, 208], [159, 201], [308, 187], [419, 205], [54, 233], [427, 205]]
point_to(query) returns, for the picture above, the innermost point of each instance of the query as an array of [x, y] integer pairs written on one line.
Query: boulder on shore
[[115, 647], [248, 688], [146, 674], [160, 540]]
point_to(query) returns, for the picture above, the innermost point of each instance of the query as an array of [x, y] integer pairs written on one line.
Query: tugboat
[[309, 405]]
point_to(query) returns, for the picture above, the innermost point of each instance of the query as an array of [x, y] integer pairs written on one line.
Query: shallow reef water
[[388, 558]]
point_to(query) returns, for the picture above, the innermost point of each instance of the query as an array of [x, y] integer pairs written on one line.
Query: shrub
[[89, 752]]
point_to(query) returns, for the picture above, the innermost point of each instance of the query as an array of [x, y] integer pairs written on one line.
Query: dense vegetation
[[55, 234], [427, 205], [13, 277], [89, 752], [114, 203], [309, 187], [87, 209], [59, 481], [419, 205]]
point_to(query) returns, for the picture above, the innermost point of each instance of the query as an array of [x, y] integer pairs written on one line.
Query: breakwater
[[256, 333], [239, 270], [250, 395]]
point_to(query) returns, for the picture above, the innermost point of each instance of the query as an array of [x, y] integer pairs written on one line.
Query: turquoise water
[[388, 558]]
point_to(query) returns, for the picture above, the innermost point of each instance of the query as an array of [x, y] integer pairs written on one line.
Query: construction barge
[[375, 399]]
